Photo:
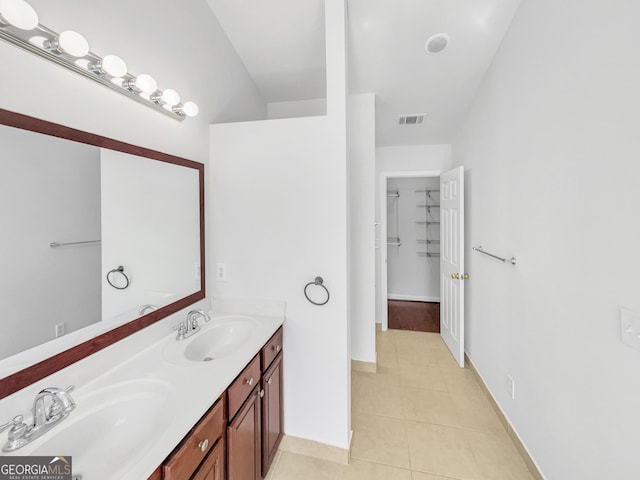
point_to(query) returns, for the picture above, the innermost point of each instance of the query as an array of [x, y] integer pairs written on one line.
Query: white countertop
[[140, 362]]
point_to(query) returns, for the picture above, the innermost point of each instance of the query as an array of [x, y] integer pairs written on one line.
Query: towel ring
[[119, 270], [318, 281]]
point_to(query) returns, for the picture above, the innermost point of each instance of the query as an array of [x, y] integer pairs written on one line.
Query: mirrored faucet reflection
[[50, 407], [146, 308]]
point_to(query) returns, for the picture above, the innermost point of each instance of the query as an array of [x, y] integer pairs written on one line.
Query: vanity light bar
[[19, 26]]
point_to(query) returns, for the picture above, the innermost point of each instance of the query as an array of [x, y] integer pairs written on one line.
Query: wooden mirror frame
[[48, 366]]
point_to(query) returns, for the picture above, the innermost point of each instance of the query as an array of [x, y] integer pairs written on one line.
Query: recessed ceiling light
[[437, 43]]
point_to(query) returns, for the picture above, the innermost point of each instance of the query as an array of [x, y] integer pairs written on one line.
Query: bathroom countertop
[[188, 389]]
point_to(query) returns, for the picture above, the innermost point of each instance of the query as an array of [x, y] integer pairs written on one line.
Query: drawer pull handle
[[269, 381], [203, 445], [277, 348], [249, 382], [261, 393]]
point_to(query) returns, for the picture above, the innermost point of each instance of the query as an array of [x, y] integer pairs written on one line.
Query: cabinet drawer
[[195, 447], [213, 467], [271, 349], [242, 386]]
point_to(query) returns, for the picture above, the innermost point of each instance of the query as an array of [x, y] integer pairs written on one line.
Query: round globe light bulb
[[19, 14], [170, 97], [190, 109], [114, 66], [146, 83], [73, 43]]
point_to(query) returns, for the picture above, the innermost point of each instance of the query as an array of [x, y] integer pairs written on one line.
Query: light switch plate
[[630, 328]]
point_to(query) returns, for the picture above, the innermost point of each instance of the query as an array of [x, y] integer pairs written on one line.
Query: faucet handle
[[18, 428], [182, 330], [16, 422]]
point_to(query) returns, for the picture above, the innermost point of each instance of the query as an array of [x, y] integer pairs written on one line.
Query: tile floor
[[419, 418]]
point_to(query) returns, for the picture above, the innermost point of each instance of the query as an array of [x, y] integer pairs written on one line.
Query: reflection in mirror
[[150, 226], [49, 192], [71, 213]]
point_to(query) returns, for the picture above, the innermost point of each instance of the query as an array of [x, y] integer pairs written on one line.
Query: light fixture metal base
[[6, 33]]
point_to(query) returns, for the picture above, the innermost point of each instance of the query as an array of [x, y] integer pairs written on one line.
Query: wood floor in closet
[[415, 316]]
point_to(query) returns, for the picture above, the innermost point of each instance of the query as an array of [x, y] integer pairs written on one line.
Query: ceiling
[[281, 43]]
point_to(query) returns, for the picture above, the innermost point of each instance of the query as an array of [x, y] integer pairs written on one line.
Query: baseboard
[[531, 465], [367, 367], [412, 298], [311, 448]]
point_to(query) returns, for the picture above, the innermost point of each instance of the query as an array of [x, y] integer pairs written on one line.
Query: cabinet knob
[[249, 382], [277, 348], [203, 445], [261, 393]]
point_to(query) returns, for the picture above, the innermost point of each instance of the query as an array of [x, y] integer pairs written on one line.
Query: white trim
[[382, 241], [412, 298]]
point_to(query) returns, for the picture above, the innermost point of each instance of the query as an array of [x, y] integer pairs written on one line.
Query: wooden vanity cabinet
[[238, 437], [195, 451], [243, 441], [157, 475], [255, 431], [213, 468], [272, 425]]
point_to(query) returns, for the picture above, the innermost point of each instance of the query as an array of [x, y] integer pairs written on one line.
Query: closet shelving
[[430, 241], [394, 241]]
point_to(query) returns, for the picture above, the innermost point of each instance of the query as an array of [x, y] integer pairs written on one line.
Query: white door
[[452, 261]]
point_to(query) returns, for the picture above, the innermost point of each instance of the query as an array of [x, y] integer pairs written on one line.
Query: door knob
[[465, 276], [455, 276]]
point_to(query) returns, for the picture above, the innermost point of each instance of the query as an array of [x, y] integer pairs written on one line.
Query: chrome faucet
[[190, 325], [44, 419], [146, 308]]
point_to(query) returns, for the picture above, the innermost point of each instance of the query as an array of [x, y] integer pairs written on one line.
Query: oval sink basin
[[120, 420], [219, 340]]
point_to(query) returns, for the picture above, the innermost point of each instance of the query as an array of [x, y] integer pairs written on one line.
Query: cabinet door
[[213, 467], [271, 413], [243, 441]]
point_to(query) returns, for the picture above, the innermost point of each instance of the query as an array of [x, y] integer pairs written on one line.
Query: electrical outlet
[[61, 329], [630, 328], [197, 270], [221, 272], [511, 387]]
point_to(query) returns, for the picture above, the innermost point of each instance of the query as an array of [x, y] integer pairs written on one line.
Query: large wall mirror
[[100, 240]]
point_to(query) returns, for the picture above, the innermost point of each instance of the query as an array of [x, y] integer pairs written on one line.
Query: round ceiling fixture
[[437, 43]]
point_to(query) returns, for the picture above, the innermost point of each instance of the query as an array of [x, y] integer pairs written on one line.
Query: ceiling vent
[[412, 119]]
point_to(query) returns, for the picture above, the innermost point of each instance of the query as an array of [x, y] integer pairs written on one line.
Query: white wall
[[551, 150], [410, 276], [362, 144], [279, 217], [183, 48], [402, 159], [298, 108], [49, 192], [150, 226]]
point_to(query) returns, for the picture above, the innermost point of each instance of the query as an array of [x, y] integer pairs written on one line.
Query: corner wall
[[551, 150], [362, 145], [279, 219]]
